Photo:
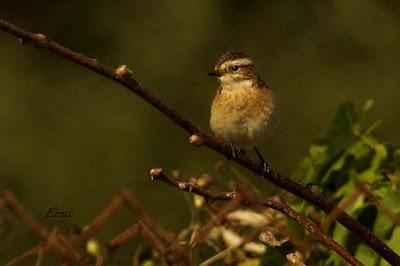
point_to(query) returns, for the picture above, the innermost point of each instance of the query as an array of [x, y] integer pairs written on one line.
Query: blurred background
[[71, 138]]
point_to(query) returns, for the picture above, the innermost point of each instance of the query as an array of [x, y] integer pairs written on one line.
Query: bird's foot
[[266, 170], [236, 152], [233, 152]]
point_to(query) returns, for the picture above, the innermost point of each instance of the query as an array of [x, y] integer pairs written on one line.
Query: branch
[[275, 203], [232, 248], [284, 247], [42, 248], [8, 199], [122, 238], [115, 204], [123, 76]]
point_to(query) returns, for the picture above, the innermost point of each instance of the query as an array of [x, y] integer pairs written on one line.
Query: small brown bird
[[242, 109]]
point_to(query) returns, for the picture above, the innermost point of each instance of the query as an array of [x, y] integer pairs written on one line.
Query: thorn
[[196, 140], [123, 72], [182, 186], [155, 172], [41, 37]]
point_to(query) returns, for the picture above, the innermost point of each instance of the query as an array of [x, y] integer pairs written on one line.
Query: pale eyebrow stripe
[[242, 61], [239, 62]]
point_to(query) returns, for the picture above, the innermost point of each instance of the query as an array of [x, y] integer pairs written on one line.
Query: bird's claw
[[236, 152], [233, 152], [265, 169]]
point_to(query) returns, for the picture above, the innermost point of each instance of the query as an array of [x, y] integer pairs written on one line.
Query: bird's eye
[[235, 68]]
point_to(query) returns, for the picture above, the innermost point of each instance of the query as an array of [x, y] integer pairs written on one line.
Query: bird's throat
[[231, 84]]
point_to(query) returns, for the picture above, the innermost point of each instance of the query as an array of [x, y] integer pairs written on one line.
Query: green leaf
[[393, 243], [345, 189], [309, 169], [393, 161], [250, 262], [366, 255], [389, 197], [347, 153], [341, 235], [272, 257], [332, 151], [382, 226], [371, 174], [341, 128]]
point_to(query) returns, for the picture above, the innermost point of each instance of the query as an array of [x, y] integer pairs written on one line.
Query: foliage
[[342, 160]]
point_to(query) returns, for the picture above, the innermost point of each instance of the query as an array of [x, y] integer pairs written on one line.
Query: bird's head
[[234, 68]]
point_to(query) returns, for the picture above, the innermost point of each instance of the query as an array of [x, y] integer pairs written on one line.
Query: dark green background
[[71, 139]]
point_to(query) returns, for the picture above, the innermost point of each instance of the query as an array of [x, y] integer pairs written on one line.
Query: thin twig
[[42, 248], [115, 204], [232, 248], [39, 259], [123, 76], [284, 247], [133, 205], [148, 223], [122, 238], [378, 203], [152, 238], [275, 203], [221, 214]]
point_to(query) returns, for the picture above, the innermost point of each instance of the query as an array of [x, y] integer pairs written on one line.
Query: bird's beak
[[214, 73]]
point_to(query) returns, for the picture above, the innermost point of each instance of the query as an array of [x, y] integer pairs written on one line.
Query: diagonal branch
[[275, 203], [123, 76], [123, 237], [42, 248]]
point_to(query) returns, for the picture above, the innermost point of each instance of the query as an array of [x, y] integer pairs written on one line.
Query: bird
[[242, 109]]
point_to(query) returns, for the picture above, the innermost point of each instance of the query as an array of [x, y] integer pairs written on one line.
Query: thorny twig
[[232, 248], [275, 203], [284, 247]]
